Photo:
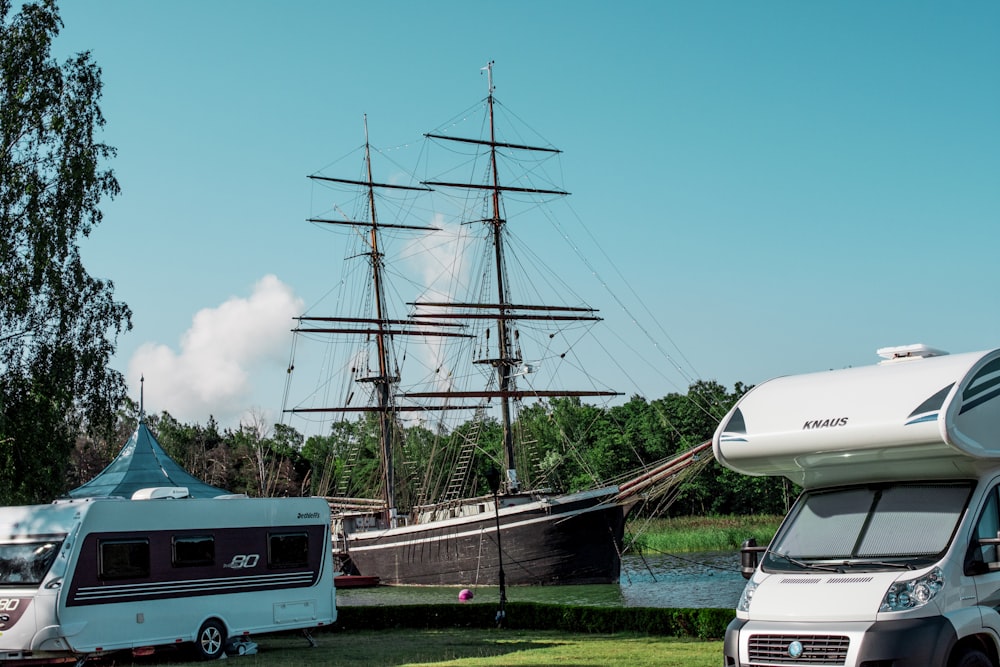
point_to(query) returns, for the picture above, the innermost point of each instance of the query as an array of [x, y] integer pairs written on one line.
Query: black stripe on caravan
[[98, 594], [983, 387], [968, 405], [736, 423], [933, 403], [987, 377], [167, 580]]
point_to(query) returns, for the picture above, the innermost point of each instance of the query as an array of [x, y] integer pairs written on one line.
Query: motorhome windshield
[[26, 563], [889, 525]]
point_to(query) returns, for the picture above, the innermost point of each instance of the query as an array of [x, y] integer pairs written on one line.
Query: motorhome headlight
[[746, 596], [913, 593]]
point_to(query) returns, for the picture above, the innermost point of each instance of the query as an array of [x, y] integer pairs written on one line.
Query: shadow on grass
[[405, 647], [354, 649]]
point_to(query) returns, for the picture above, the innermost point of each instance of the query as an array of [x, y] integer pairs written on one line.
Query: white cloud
[[226, 357], [440, 261]]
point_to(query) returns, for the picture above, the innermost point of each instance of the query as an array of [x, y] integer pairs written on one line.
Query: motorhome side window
[[986, 528], [287, 550], [194, 550], [124, 559]]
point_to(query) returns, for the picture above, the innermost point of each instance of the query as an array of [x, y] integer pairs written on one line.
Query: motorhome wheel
[[973, 658]]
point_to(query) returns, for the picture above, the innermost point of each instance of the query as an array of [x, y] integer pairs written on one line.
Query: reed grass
[[700, 533]]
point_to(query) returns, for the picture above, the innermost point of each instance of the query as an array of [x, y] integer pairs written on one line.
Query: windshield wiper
[[878, 563], [804, 565]]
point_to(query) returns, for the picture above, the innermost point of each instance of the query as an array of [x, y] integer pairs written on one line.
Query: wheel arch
[[982, 641]]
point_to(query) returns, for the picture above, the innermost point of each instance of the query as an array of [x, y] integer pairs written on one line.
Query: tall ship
[[477, 502]]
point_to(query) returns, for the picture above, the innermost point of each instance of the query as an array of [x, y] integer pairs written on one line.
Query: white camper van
[[889, 558], [81, 578]]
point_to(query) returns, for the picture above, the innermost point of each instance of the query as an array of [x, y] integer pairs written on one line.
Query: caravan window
[[26, 563], [124, 559], [287, 550], [193, 550]]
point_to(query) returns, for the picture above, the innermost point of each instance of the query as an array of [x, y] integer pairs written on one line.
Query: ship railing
[[355, 504]]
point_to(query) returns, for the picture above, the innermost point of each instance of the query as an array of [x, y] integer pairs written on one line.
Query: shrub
[[695, 623]]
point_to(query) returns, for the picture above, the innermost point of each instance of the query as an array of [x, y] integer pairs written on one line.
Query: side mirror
[[992, 566], [748, 557]]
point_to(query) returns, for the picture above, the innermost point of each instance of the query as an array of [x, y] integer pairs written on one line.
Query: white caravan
[[82, 578], [889, 557]]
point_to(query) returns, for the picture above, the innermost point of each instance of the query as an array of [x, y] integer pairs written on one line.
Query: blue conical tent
[[142, 464]]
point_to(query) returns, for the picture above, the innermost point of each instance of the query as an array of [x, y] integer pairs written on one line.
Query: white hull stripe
[[372, 536]]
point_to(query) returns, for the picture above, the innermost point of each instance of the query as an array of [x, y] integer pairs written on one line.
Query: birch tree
[[58, 324]]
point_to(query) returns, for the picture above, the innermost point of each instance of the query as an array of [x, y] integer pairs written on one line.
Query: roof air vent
[[904, 352]]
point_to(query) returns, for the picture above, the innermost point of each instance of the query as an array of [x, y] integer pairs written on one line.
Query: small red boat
[[355, 581]]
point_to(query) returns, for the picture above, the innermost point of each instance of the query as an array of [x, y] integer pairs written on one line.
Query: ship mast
[[504, 311], [506, 361], [384, 381], [380, 328]]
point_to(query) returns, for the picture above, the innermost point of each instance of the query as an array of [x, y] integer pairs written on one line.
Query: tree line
[[575, 447]]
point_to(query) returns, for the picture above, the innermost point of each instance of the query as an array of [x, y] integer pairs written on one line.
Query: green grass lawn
[[460, 648]]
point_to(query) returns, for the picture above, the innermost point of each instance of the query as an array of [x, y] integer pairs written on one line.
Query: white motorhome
[[85, 577], [889, 557]]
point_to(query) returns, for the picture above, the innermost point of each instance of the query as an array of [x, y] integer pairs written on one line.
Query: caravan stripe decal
[[926, 418], [968, 405], [983, 387], [95, 594]]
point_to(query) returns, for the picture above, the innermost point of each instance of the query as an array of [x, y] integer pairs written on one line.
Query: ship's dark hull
[[573, 539]]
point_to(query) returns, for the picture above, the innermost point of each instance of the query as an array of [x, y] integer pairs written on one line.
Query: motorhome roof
[[933, 416]]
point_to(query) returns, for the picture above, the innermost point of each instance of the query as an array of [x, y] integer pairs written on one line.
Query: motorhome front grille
[[808, 649]]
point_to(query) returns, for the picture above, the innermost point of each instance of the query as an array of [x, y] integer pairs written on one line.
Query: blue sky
[[786, 186]]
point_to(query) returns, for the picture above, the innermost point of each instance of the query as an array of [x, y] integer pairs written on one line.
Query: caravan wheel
[[211, 639]]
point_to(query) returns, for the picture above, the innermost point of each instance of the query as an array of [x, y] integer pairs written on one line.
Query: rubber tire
[[210, 642], [972, 658]]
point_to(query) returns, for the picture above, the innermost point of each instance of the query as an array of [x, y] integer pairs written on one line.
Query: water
[[706, 579]]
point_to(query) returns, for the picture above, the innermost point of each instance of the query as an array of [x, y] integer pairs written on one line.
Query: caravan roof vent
[[902, 352], [158, 492]]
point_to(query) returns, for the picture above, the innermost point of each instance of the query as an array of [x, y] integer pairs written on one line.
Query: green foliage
[[699, 533], [736, 493], [58, 324], [695, 623], [577, 446], [325, 466], [201, 450]]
